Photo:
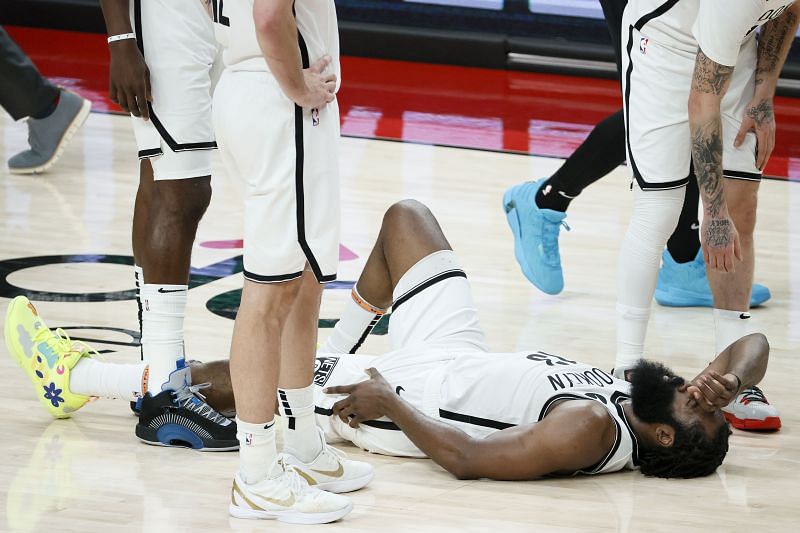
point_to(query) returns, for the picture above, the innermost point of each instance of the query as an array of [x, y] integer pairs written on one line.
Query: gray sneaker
[[48, 136]]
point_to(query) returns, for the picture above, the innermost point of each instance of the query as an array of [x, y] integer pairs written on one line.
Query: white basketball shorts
[[433, 320], [287, 160], [656, 85], [176, 38]]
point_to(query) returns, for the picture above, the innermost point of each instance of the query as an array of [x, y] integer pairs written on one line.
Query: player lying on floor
[[440, 393]]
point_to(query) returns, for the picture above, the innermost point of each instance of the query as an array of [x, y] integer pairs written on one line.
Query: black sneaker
[[183, 419]]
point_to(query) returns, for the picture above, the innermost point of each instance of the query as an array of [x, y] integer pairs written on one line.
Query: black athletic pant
[[604, 150], [23, 91]]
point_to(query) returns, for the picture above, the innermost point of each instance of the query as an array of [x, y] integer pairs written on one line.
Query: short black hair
[[692, 454]]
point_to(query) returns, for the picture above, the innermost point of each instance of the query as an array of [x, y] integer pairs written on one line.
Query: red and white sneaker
[[751, 411]]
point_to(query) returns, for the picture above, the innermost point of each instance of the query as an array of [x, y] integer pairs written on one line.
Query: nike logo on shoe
[[330, 473], [162, 290]]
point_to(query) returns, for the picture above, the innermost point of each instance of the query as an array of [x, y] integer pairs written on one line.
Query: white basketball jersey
[[720, 27], [485, 392], [236, 31]]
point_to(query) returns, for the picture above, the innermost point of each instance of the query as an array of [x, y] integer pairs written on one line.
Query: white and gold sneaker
[[331, 470], [287, 497]]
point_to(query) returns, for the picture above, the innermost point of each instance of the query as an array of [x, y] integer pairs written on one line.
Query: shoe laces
[[753, 394], [60, 342], [190, 398], [550, 231], [296, 483]]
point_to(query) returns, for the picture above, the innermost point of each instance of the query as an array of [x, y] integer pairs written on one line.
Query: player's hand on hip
[[759, 117], [365, 400], [712, 390], [720, 241], [320, 88], [129, 78]]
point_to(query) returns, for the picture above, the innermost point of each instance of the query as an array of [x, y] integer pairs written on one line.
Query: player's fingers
[[329, 97], [344, 414], [329, 77], [763, 143], [729, 253], [112, 92], [330, 86], [712, 261], [716, 387], [141, 102], [746, 125], [339, 389], [340, 405], [130, 96], [148, 94], [737, 248], [122, 100], [768, 151], [320, 64]]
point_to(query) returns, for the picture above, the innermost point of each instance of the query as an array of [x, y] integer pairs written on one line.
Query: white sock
[[357, 321], [138, 277], [257, 449], [631, 331], [730, 326], [163, 308], [300, 434], [91, 377]]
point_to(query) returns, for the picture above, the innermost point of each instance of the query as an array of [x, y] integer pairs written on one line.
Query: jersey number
[[219, 17], [550, 359]]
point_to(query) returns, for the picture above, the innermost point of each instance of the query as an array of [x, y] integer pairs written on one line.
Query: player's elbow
[[463, 471], [462, 463], [268, 16]]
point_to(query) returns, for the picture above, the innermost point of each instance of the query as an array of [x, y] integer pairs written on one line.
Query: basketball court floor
[[65, 241]]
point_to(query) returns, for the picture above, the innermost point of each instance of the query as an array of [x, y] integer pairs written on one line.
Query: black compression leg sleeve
[[684, 243], [601, 152]]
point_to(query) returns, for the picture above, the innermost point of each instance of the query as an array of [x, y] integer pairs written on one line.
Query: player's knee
[[744, 218], [404, 213], [655, 215], [183, 202]]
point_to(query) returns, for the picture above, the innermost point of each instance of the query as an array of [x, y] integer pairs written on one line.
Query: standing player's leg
[[174, 144], [540, 207], [275, 329], [659, 155], [652, 222], [682, 280]]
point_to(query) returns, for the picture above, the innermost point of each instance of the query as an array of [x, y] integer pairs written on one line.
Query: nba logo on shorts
[[248, 439], [315, 117], [643, 42]]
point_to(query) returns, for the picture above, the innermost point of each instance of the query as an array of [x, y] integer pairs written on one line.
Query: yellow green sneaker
[[46, 357]]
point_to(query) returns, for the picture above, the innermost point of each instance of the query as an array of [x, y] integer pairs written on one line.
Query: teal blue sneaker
[[686, 284], [535, 236]]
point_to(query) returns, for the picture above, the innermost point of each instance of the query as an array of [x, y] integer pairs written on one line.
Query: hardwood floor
[[90, 473]]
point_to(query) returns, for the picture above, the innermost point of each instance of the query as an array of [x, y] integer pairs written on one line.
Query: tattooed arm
[[773, 45], [709, 83]]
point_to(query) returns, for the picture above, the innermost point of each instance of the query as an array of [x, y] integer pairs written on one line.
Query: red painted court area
[[540, 114]]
